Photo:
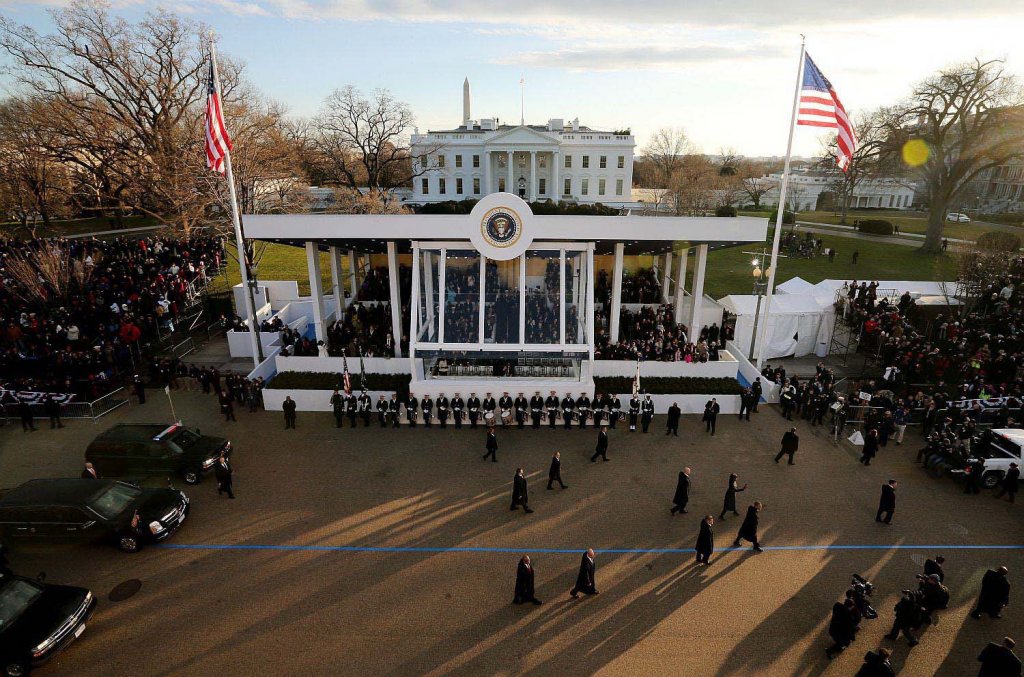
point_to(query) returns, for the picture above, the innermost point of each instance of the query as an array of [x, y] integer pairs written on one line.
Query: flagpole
[[780, 212], [243, 259]]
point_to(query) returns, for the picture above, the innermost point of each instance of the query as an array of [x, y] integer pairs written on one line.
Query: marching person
[[90, 472], [583, 410], [351, 409], [473, 405], [288, 406], [711, 411], [998, 660], [887, 502], [567, 406], [382, 411], [672, 427], [995, 593], [491, 445], [790, 444], [730, 496], [705, 540], [505, 404], [412, 406], [555, 471], [551, 409], [615, 408], [458, 406], [223, 472], [748, 530], [443, 408], [602, 445], [394, 410], [521, 407], [585, 580], [427, 405], [365, 405], [519, 492], [647, 413], [536, 409], [489, 406], [524, 583], [634, 412], [682, 495], [600, 409]]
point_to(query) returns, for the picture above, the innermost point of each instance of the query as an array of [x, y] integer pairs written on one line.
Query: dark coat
[[870, 446], [682, 490], [492, 442], [585, 578], [995, 591], [555, 471], [602, 442], [887, 501], [222, 473], [524, 583], [1012, 480], [705, 539], [790, 441], [841, 628], [730, 496], [748, 529], [998, 661], [519, 492], [674, 412], [875, 666], [288, 406]]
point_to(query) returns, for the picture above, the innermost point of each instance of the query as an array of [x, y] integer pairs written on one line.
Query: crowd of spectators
[[364, 329], [85, 339], [641, 286]]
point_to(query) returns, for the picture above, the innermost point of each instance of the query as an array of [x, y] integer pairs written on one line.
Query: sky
[[722, 71]]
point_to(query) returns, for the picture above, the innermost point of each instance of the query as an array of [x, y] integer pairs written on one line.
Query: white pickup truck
[[999, 447]]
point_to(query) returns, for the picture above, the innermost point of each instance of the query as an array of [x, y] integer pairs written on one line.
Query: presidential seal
[[501, 227]]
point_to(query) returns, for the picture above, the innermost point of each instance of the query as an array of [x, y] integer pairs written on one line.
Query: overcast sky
[[724, 71]]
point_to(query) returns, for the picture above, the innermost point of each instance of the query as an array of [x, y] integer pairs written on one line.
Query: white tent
[[915, 287], [795, 285], [799, 324]]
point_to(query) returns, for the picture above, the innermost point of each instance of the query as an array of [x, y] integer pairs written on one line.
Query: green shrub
[[875, 227], [308, 380], [668, 386], [788, 218], [725, 210], [998, 241], [1009, 219]]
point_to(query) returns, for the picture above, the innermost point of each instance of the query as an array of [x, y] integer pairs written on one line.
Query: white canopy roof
[[782, 304]]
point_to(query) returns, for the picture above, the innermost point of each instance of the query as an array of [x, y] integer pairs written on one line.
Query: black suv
[[58, 509], [133, 450], [37, 621]]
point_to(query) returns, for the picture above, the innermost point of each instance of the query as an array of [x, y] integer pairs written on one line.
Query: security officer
[[351, 406], [583, 409], [521, 407], [551, 408], [443, 407], [458, 406], [567, 406], [364, 408], [634, 412], [536, 407], [382, 412], [338, 407], [473, 404], [412, 407], [428, 410], [393, 410], [648, 412], [488, 407], [615, 407], [505, 404]]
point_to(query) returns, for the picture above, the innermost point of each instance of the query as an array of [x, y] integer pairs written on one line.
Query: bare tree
[[694, 185], [665, 151], [957, 124], [863, 165]]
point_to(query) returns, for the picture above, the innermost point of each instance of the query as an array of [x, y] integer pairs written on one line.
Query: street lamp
[[760, 285]]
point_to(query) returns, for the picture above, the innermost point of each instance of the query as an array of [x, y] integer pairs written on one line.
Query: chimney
[[466, 116]]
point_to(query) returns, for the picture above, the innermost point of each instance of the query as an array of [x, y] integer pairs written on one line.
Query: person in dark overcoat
[[524, 583], [682, 495], [491, 445], [790, 444], [887, 502], [585, 581], [602, 445], [729, 505], [555, 471], [998, 660], [995, 593], [223, 472], [672, 425], [520, 497], [705, 540], [870, 447], [748, 530], [842, 628]]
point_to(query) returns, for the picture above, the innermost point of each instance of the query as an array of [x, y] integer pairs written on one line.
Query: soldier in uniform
[[382, 412], [351, 405], [521, 407], [567, 406], [600, 409], [615, 409], [536, 407], [393, 410], [634, 412], [364, 408], [583, 409], [458, 406], [648, 412], [551, 408], [428, 410], [338, 407], [474, 409], [412, 407], [489, 406], [442, 410], [505, 404]]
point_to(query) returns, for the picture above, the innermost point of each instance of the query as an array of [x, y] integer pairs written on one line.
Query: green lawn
[[907, 223], [283, 262]]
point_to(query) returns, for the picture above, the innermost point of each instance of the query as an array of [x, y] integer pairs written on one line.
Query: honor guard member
[[536, 407], [443, 407], [458, 407], [521, 407], [567, 406], [634, 412], [648, 412], [393, 410], [583, 409], [382, 412], [551, 409], [364, 408], [488, 407], [338, 407], [473, 404], [615, 407], [351, 406], [505, 404], [600, 409], [428, 410], [412, 408]]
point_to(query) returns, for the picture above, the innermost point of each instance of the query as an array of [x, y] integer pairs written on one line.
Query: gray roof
[[475, 129]]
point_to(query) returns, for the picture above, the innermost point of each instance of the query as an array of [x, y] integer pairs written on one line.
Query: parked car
[[88, 509], [129, 450], [38, 621], [958, 218], [999, 447]]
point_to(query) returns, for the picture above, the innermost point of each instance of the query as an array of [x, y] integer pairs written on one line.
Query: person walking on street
[[1010, 484], [585, 579], [140, 389], [289, 412], [226, 406], [711, 411], [520, 496], [790, 444], [998, 660], [682, 495], [223, 472], [524, 583], [729, 505], [870, 447], [602, 445], [491, 445], [555, 471], [755, 389], [748, 530], [705, 540], [887, 502], [842, 627], [908, 617], [746, 403], [672, 424], [25, 412], [52, 410], [995, 593]]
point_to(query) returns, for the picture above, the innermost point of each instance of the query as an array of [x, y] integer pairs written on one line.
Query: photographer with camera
[[908, 617], [860, 592], [933, 595]]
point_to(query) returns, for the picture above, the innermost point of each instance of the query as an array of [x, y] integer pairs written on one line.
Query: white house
[[806, 187], [557, 161]]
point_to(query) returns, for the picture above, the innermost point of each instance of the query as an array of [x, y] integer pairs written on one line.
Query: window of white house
[[476, 160], [585, 187], [425, 185], [458, 161], [440, 186], [476, 186], [502, 160], [440, 161], [568, 162], [586, 161], [600, 187], [604, 162], [501, 184], [543, 187], [622, 162], [618, 186], [458, 186], [542, 161], [567, 190]]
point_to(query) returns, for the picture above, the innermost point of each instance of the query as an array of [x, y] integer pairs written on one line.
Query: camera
[[862, 589]]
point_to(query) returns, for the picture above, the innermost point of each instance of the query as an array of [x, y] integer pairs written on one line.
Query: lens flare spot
[[915, 152]]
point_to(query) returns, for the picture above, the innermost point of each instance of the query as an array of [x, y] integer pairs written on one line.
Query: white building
[[558, 161], [805, 188]]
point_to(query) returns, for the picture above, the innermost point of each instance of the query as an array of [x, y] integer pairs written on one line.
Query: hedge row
[[788, 218], [875, 227], [308, 380], [999, 241], [725, 210], [669, 386]]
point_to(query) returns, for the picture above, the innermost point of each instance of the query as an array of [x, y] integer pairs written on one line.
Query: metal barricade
[[74, 410]]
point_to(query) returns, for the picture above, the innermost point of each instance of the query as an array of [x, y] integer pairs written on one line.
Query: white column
[[613, 315], [555, 192], [339, 297], [561, 296], [396, 299], [353, 282], [531, 192], [441, 270], [698, 292], [511, 175], [316, 290], [590, 306], [666, 285], [428, 294], [487, 172], [414, 308], [684, 257], [482, 279], [522, 299]]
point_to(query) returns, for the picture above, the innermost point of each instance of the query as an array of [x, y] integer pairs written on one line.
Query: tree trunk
[[936, 220]]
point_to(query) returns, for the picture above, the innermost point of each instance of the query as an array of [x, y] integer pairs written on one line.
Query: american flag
[[218, 143], [820, 107], [362, 373], [346, 380]]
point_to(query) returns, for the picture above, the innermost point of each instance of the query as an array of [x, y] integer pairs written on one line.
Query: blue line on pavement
[[622, 551]]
